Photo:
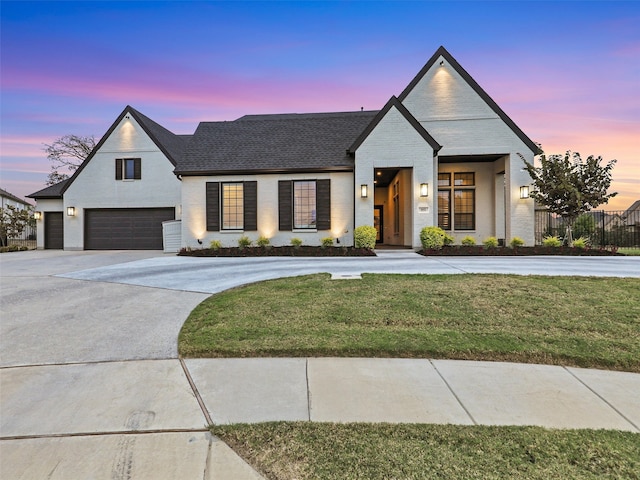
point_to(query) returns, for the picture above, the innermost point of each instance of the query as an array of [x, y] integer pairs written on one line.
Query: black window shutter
[[118, 169], [323, 204], [285, 221], [250, 193], [213, 206], [137, 168]]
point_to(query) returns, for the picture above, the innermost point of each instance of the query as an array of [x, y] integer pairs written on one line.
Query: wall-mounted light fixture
[[37, 215], [364, 190], [424, 189], [524, 191], [441, 63], [71, 211], [199, 241]]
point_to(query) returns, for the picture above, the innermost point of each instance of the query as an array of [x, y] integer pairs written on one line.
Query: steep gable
[[172, 145], [411, 120], [444, 91]]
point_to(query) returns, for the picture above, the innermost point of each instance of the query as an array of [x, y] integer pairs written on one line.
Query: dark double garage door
[[125, 229]]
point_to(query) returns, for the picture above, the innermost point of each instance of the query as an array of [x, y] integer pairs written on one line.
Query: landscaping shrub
[[490, 242], [296, 242], [551, 242], [364, 236], [243, 242], [215, 245], [448, 239], [432, 238], [263, 242], [468, 241], [327, 242], [580, 243], [516, 242]]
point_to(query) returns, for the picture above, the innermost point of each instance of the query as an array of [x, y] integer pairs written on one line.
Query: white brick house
[[441, 153]]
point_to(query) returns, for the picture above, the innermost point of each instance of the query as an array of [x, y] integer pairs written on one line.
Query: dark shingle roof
[[274, 143], [52, 191], [172, 145], [11, 196]]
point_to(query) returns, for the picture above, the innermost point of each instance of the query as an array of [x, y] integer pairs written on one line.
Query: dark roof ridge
[[291, 116], [476, 87], [394, 102]]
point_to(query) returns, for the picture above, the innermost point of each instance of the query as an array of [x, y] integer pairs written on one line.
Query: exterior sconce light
[[37, 215], [424, 189], [524, 191], [364, 190], [441, 63], [199, 241], [71, 211]]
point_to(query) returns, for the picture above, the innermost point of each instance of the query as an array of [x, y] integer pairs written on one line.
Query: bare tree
[[66, 154]]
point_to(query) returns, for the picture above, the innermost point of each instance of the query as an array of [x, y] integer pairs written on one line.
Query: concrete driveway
[[91, 386]]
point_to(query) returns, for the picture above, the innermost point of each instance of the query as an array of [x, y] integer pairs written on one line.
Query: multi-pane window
[[128, 169], [464, 201], [304, 204], [232, 206]]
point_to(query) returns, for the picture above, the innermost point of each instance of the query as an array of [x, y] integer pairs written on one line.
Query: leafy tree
[[584, 226], [66, 154], [570, 186], [13, 221]]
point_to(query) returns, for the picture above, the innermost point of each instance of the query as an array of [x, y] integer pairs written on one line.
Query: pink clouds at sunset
[[568, 73]]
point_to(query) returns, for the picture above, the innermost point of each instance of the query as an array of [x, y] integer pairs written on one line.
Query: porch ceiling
[[384, 176]]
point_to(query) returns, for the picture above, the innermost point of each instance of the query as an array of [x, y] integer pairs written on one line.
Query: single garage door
[[53, 230], [126, 228]]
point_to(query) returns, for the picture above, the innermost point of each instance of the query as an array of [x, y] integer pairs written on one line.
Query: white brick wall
[[194, 215], [96, 187]]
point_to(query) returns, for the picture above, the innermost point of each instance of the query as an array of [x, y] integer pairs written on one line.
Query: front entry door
[[378, 224]]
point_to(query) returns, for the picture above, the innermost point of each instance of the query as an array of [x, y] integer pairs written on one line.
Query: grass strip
[[575, 321], [305, 450]]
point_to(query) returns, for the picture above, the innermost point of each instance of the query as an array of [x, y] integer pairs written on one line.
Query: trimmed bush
[[432, 238], [263, 242], [490, 242], [243, 242], [327, 242], [296, 242], [448, 239], [516, 242], [468, 241], [580, 243], [215, 245], [551, 242], [364, 236]]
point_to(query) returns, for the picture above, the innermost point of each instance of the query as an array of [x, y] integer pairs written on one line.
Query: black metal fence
[[26, 239], [620, 228]]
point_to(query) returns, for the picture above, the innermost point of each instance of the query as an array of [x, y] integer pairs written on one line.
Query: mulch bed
[[479, 250], [285, 251]]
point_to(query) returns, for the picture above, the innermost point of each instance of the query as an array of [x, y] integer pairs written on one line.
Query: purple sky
[[568, 73]]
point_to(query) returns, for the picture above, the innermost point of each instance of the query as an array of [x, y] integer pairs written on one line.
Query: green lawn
[[629, 251], [577, 321], [287, 451]]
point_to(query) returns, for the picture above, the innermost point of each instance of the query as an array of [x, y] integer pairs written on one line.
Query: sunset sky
[[568, 73]]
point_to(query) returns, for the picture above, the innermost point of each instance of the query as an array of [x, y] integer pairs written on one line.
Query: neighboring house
[[8, 199], [441, 153]]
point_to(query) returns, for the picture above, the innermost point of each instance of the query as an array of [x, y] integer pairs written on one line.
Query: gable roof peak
[[442, 52], [395, 102]]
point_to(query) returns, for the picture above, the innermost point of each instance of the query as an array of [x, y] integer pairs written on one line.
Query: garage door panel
[[125, 229]]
